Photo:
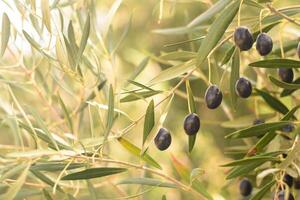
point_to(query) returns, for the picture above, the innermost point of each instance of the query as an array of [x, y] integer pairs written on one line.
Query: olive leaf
[[149, 120], [192, 109], [289, 86], [94, 173], [234, 76], [137, 152], [5, 34], [272, 101], [276, 63], [216, 31]]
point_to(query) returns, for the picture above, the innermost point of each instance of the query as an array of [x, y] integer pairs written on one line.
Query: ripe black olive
[[281, 196], [286, 74], [191, 124], [264, 44], [243, 87], [245, 187], [213, 97], [288, 128], [258, 121], [243, 38], [163, 139], [288, 180]]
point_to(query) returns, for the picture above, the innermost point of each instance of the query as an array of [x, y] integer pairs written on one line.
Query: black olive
[[213, 97], [243, 38], [264, 44], [288, 128], [191, 124], [286, 74], [258, 121], [288, 180], [163, 139], [281, 196], [243, 87], [245, 187]]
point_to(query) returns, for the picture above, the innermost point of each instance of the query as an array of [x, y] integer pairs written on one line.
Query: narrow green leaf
[[290, 114], [140, 85], [273, 102], [263, 191], [264, 141], [276, 63], [216, 31], [290, 86], [243, 170], [71, 53], [137, 152], [43, 126], [164, 197], [124, 34], [47, 195], [182, 56], [290, 11], [253, 3], [174, 72], [244, 121], [92, 95], [234, 76], [191, 101], [287, 46], [250, 160], [46, 14], [257, 130], [139, 68], [179, 55], [55, 166], [192, 109], [33, 43], [66, 113], [148, 181], [45, 179], [149, 120], [184, 173], [16, 186], [43, 136], [71, 37], [228, 55], [179, 30], [5, 33], [139, 95], [12, 171], [110, 113], [209, 13], [84, 39], [287, 92], [110, 15], [199, 187], [94, 173]]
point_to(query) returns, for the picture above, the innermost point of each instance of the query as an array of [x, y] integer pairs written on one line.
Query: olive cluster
[[244, 41], [246, 187], [191, 126]]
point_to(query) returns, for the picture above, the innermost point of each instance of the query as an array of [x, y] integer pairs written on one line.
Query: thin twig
[[272, 9]]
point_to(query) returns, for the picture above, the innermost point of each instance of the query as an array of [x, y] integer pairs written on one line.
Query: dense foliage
[[166, 99]]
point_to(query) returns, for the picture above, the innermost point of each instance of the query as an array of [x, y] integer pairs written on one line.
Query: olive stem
[[272, 9], [239, 14]]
